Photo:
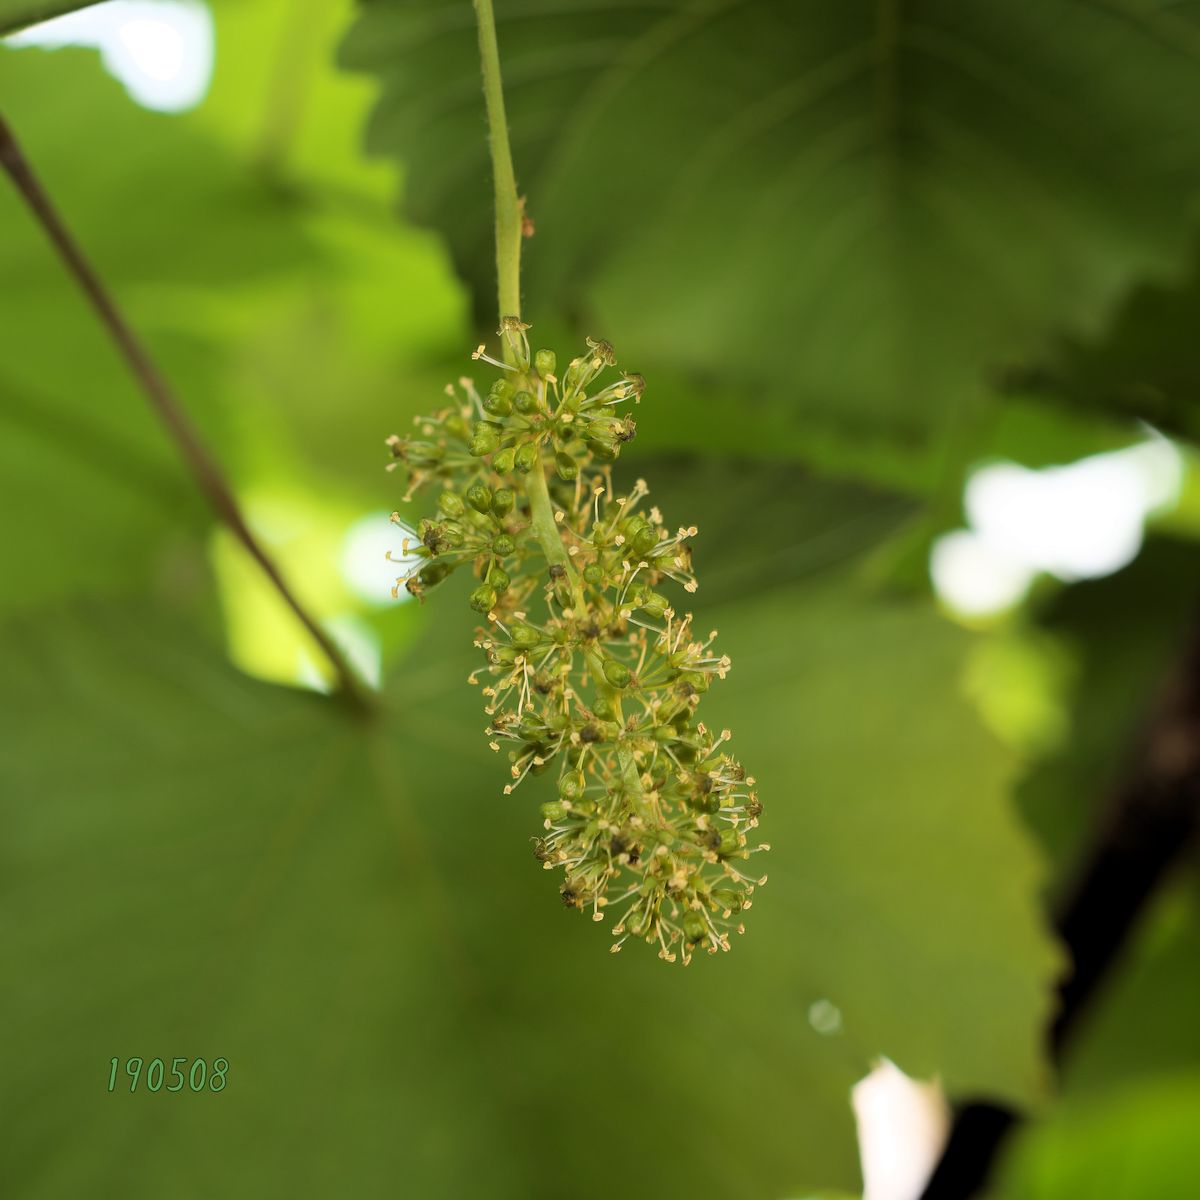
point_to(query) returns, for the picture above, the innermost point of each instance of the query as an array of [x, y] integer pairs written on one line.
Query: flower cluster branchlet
[[591, 673]]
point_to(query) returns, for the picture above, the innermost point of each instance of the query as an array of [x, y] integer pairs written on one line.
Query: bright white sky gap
[[1083, 520], [161, 50]]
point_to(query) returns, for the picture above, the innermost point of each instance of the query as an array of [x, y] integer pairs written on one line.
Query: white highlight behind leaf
[[1083, 520], [902, 1126]]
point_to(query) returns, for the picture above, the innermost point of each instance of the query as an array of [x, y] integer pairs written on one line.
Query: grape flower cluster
[[591, 673]]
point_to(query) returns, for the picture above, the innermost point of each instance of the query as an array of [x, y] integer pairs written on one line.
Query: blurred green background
[[915, 291]]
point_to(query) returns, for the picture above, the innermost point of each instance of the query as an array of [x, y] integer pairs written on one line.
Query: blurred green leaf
[[1139, 1145], [328, 361], [77, 435], [273, 306], [278, 102], [95, 504], [855, 211]]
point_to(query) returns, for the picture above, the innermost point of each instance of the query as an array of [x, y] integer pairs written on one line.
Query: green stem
[[508, 205], [508, 272], [545, 527]]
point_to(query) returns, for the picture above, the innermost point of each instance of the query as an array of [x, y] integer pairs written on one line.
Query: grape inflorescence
[[591, 673]]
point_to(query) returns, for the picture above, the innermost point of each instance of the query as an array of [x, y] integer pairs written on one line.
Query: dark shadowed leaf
[[856, 210], [1142, 366]]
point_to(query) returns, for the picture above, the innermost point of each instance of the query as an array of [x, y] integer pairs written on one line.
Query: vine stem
[[545, 529], [508, 286], [504, 180], [205, 471]]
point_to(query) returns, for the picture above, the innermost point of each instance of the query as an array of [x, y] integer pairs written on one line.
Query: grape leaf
[[350, 914], [854, 211], [909, 887], [206, 866]]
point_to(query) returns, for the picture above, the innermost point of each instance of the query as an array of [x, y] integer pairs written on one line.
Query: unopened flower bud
[[479, 497], [655, 605], [483, 598], [498, 404], [728, 899], [731, 843], [485, 438], [451, 504], [527, 457], [524, 635], [617, 673], [572, 784], [566, 466]]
